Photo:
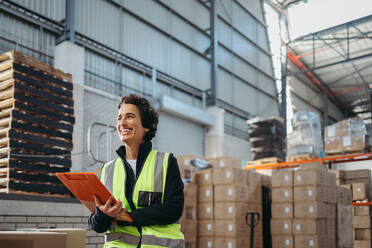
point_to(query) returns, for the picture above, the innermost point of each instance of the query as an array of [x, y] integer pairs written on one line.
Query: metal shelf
[[326, 160]]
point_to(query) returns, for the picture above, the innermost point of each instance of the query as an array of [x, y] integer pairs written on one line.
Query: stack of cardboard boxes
[[189, 220], [225, 194], [304, 208]]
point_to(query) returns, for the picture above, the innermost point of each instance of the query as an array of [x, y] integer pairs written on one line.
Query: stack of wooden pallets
[[36, 124]]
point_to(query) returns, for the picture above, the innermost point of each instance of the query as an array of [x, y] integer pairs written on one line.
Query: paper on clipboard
[[86, 184]]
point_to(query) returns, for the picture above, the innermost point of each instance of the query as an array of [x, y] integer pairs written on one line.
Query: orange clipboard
[[86, 184]]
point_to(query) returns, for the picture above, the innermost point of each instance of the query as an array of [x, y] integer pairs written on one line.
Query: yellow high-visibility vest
[[150, 185]]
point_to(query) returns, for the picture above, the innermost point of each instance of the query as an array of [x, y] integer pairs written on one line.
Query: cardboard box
[[310, 193], [189, 210], [206, 242], [190, 191], [333, 145], [344, 196], [255, 179], [187, 173], [314, 210], [309, 177], [309, 226], [331, 210], [234, 210], [206, 211], [206, 228], [331, 194], [76, 237], [238, 193], [281, 227], [282, 210], [344, 226], [362, 234], [24, 239], [204, 177], [229, 176], [357, 180], [282, 194], [360, 191], [331, 241], [354, 174], [232, 228], [189, 244], [311, 241], [227, 242], [331, 227], [361, 222], [312, 165], [189, 228], [205, 194], [282, 179], [330, 179], [339, 176], [362, 244], [282, 241], [361, 211], [225, 162]]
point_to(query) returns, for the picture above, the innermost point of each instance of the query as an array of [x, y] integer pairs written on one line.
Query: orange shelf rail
[[362, 203], [331, 159]]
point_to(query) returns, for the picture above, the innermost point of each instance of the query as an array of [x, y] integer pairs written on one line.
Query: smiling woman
[[146, 183]]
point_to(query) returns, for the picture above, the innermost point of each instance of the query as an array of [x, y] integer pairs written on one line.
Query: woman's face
[[129, 124]]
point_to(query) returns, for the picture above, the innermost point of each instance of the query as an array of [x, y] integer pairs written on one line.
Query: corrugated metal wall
[[169, 36]]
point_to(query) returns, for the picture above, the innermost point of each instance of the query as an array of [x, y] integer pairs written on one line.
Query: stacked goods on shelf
[[206, 228], [306, 137], [345, 136], [36, 124], [304, 207], [314, 224], [189, 221], [282, 209], [359, 182], [344, 222], [235, 193], [267, 138]]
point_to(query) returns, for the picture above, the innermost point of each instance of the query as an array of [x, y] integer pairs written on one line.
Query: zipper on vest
[[149, 199]]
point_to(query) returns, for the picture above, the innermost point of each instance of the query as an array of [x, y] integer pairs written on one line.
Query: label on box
[[229, 245], [228, 174], [207, 193], [309, 192], [230, 227], [222, 163], [209, 227], [287, 242], [209, 244], [186, 162], [311, 209], [208, 210], [286, 194], [298, 227], [346, 141], [229, 210], [229, 192], [286, 226], [286, 178], [286, 210], [299, 178], [311, 242], [206, 176], [331, 131], [359, 189]]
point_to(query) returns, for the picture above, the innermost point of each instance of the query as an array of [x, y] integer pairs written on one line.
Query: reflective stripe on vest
[[152, 179]]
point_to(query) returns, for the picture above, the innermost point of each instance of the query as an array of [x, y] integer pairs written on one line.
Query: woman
[[146, 183]]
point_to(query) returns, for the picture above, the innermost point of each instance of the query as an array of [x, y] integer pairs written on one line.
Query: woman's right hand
[[114, 211]]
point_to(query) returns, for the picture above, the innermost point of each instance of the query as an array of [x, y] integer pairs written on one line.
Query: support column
[[215, 135], [325, 109], [70, 58], [213, 49]]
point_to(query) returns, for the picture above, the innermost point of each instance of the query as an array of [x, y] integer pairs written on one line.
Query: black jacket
[[158, 214]]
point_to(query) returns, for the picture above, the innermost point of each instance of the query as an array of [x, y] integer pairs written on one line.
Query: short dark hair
[[149, 116]]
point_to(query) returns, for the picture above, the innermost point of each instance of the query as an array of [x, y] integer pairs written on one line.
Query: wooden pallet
[[264, 161], [300, 157], [345, 153], [36, 121]]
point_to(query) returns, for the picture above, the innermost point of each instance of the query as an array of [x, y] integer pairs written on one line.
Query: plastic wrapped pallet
[[345, 136], [306, 137]]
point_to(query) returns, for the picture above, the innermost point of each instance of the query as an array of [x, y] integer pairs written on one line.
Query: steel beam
[[212, 101], [70, 21]]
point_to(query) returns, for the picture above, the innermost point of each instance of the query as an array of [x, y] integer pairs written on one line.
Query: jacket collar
[[144, 150]]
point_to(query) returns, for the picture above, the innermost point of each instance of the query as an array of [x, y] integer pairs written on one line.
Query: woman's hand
[[113, 211]]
